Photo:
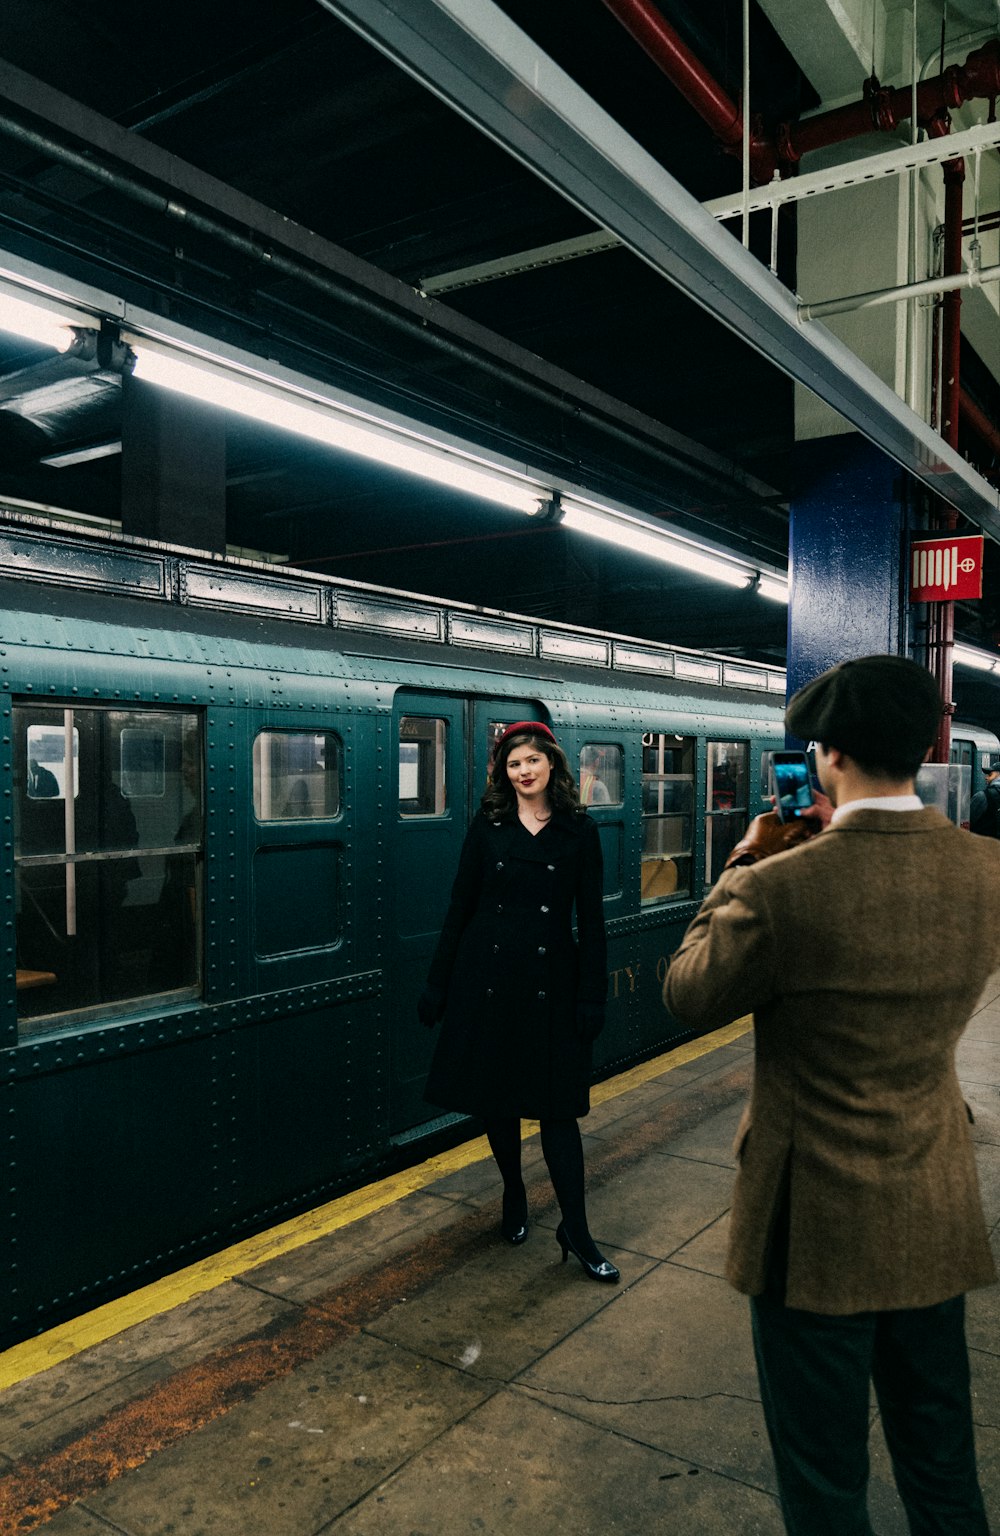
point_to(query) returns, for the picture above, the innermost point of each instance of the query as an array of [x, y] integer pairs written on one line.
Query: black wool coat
[[512, 973]]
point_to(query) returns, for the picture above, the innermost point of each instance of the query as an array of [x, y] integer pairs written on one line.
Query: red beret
[[524, 728]]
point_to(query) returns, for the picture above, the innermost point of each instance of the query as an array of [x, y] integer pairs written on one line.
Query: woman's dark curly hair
[[500, 798]]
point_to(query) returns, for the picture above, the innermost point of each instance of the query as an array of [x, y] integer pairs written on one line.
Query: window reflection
[[726, 805], [601, 775], [422, 766], [108, 883], [296, 775], [667, 815]]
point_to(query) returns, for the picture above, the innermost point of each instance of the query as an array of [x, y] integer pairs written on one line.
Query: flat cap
[[881, 710]]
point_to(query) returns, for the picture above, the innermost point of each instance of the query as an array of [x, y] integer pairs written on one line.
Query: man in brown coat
[[856, 1224]]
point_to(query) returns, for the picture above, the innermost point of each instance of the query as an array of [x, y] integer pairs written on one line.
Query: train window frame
[[426, 766], [108, 905], [732, 819], [308, 806], [662, 868]]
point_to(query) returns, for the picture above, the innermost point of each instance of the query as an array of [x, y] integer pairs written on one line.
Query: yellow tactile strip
[[38, 1487], [61, 1343]]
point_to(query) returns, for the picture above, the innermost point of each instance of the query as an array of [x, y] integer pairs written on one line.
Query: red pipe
[[881, 108], [671, 54], [951, 312]]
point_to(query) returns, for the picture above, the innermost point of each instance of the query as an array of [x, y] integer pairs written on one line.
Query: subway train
[[234, 801]]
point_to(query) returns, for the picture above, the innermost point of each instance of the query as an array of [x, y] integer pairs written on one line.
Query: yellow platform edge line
[[61, 1343]]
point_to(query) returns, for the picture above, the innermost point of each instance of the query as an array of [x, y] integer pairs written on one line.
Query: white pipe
[[746, 124], [913, 179], [971, 279]]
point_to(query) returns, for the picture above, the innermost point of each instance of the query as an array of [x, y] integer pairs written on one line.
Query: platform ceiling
[[596, 367]]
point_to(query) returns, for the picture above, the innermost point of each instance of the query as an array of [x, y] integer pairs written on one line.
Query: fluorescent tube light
[[322, 421], [71, 456], [644, 540], [968, 656], [37, 322], [774, 588]]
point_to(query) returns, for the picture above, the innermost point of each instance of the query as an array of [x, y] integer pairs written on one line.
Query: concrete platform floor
[[411, 1375]]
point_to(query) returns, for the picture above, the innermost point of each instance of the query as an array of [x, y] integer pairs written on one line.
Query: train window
[[726, 803], [422, 759], [600, 774], [296, 775], [108, 882], [667, 815], [46, 762], [143, 763]]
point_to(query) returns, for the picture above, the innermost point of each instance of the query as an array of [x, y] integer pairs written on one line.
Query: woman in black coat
[[521, 1001]]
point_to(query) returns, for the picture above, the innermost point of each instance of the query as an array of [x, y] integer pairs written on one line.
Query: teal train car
[[234, 797]]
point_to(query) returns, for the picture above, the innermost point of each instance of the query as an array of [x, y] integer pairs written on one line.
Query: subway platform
[[386, 1366]]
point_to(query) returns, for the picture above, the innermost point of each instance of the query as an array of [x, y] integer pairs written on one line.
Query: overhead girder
[[472, 56]]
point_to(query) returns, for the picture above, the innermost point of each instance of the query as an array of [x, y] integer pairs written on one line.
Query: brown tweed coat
[[861, 955]]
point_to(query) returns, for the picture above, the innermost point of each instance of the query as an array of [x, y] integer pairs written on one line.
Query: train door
[[431, 817], [444, 745]]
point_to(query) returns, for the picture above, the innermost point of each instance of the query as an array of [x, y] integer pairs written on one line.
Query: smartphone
[[791, 784]]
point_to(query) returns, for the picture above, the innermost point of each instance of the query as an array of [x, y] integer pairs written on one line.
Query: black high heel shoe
[[602, 1270], [514, 1222]]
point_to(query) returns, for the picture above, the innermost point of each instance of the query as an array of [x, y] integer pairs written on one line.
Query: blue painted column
[[846, 543]]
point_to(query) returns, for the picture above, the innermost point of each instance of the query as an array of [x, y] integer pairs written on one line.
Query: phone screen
[[792, 789]]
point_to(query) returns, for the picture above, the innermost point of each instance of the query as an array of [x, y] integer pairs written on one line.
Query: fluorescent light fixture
[[968, 656], [82, 455], [774, 588], [325, 421], [641, 539], [238, 386], [35, 321]]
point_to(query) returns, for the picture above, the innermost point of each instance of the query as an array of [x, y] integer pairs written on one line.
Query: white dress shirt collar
[[879, 803]]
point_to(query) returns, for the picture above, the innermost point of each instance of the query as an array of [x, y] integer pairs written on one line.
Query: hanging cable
[[746, 124]]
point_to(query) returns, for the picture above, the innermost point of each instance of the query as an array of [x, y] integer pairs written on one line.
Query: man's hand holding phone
[[768, 834]]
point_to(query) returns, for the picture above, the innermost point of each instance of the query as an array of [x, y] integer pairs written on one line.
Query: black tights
[[563, 1153]]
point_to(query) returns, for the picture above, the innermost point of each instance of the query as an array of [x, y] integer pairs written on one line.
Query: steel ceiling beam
[[473, 57]]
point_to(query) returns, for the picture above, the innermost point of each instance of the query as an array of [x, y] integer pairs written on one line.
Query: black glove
[[430, 1006], [589, 1020]]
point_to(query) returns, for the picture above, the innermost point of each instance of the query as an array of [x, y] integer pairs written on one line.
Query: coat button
[[541, 949], [543, 909]]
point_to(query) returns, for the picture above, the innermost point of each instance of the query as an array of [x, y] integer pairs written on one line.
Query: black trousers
[[814, 1373]]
